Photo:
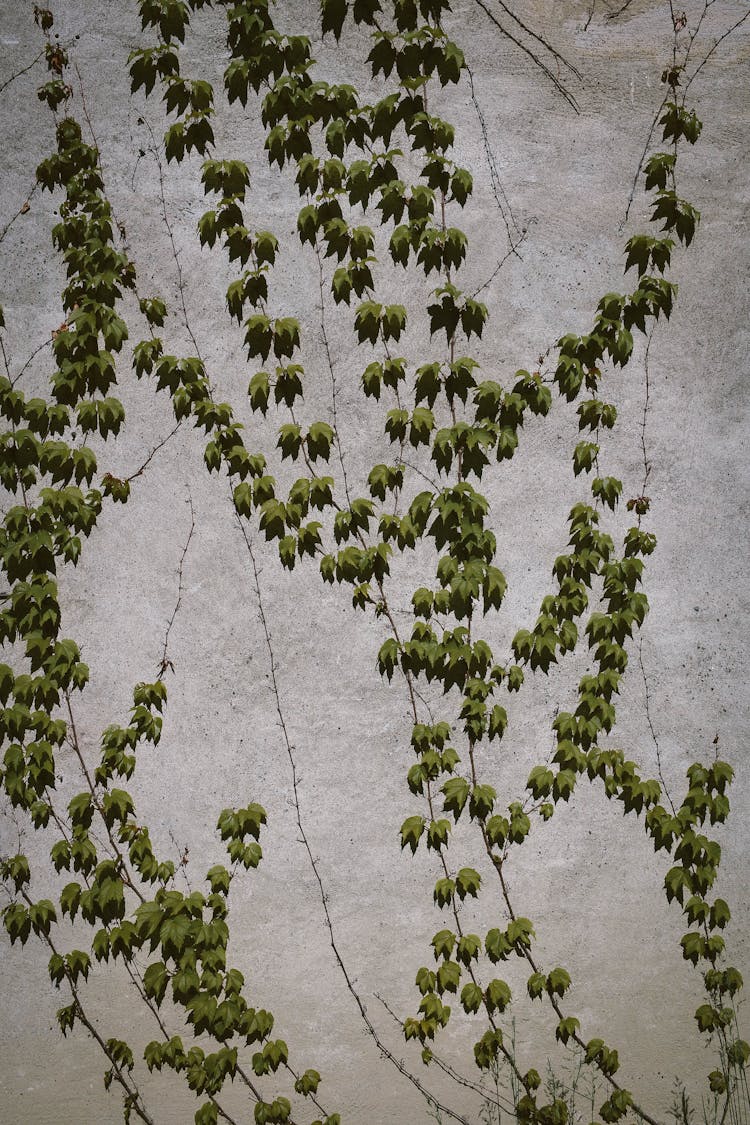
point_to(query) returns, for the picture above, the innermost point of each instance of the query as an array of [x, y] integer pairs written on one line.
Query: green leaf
[[469, 948], [607, 489], [498, 722], [471, 997], [174, 934], [461, 185], [70, 898], [616, 1106], [448, 977], [658, 169], [42, 915], [411, 832], [319, 441], [498, 829], [558, 982], [497, 946], [498, 996], [676, 882], [468, 882], [388, 657], [443, 893], [717, 1082], [155, 980], [738, 1053], [307, 1083], [481, 802], [584, 456], [206, 1114], [720, 914], [693, 947], [443, 943], [706, 1017], [488, 1048], [567, 1028], [17, 922], [154, 310], [540, 782], [456, 792], [437, 834], [536, 985]]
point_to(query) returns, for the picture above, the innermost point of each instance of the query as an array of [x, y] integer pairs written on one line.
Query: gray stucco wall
[[589, 879]]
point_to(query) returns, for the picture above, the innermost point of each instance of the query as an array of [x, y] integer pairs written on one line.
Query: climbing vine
[[380, 189]]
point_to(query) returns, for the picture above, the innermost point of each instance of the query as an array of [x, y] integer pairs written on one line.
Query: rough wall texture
[[590, 878]]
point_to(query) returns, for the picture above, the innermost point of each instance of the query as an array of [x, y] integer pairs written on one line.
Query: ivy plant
[[382, 191]]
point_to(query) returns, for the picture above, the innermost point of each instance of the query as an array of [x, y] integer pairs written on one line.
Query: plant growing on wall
[[378, 183]]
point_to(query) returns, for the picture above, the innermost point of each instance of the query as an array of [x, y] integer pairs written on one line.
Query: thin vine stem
[[132, 1092], [539, 62]]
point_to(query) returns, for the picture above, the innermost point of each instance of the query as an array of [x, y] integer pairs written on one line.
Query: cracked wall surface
[[274, 694]]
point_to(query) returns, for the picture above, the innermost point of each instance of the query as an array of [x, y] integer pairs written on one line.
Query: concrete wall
[[590, 879]]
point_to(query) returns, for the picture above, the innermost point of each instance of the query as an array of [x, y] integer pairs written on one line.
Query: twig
[[590, 15], [642, 159], [497, 863], [559, 86], [40, 347], [646, 475], [21, 211], [677, 27], [24, 70], [165, 661], [74, 743], [170, 231], [409, 679], [159, 445], [497, 188], [644, 419], [329, 358], [398, 1063], [134, 1097], [541, 40], [446, 1067], [285, 735], [513, 250], [623, 8], [709, 53], [649, 720], [420, 473], [85, 109]]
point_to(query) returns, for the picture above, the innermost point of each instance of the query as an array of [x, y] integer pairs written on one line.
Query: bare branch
[[22, 210], [620, 11], [709, 54], [165, 661], [156, 449], [384, 1050], [554, 79], [24, 70], [541, 40]]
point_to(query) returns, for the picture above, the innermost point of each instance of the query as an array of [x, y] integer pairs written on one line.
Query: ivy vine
[[389, 163]]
